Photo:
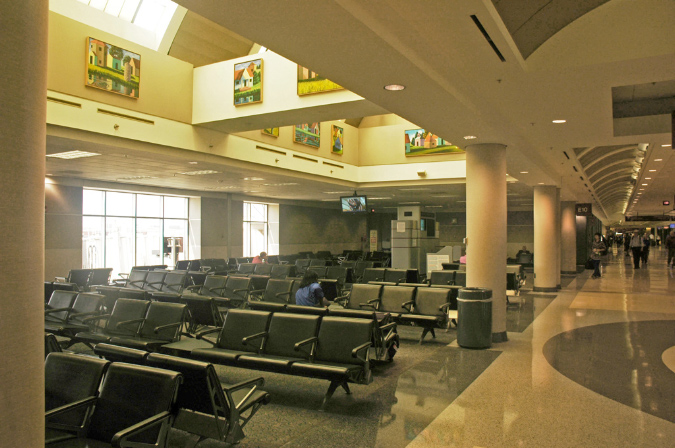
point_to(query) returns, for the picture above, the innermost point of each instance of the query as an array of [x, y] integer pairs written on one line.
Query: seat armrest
[[135, 283], [356, 350], [56, 310], [60, 279], [70, 406], [444, 307], [78, 315], [193, 287], [123, 275], [408, 306], [201, 335], [262, 334], [167, 326], [96, 318], [163, 418], [253, 384], [312, 340], [388, 326], [279, 294], [129, 322], [369, 304]]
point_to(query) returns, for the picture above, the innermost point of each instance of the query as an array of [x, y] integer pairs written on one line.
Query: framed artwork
[[248, 77], [273, 132], [419, 142], [112, 68], [308, 134], [337, 137], [310, 82]]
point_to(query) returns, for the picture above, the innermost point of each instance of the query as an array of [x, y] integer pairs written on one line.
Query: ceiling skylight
[[141, 21]]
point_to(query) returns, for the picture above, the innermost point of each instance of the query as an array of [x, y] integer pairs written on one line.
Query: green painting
[[311, 82], [419, 142], [112, 68]]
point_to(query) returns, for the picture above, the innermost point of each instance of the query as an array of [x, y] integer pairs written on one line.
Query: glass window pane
[[93, 202], [175, 207], [148, 242], [247, 211], [177, 230], [149, 14], [119, 204], [259, 212], [247, 239], [258, 238], [113, 7], [129, 10], [149, 205], [92, 242], [119, 244]]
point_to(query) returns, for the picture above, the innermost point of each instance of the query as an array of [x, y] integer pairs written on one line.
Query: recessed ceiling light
[[336, 192], [541, 183], [666, 146], [433, 206], [461, 201], [193, 163], [330, 200], [641, 189], [651, 171], [413, 189], [444, 196], [136, 177], [644, 185], [524, 172], [648, 178], [409, 203], [469, 137], [200, 173], [658, 160], [73, 154], [559, 121], [253, 178], [376, 199], [222, 187], [394, 87], [284, 184]]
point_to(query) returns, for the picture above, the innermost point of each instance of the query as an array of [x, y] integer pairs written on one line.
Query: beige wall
[[383, 141], [166, 82], [313, 229], [63, 230], [519, 230], [215, 222], [350, 153]]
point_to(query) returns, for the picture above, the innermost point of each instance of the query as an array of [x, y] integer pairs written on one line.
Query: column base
[[500, 337], [558, 286], [568, 272], [542, 289]]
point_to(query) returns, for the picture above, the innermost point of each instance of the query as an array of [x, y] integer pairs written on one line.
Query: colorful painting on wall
[[273, 132], [337, 139], [311, 82], [248, 77], [308, 134], [113, 68], [419, 142]]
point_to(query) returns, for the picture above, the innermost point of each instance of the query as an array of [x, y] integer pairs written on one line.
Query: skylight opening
[[150, 16]]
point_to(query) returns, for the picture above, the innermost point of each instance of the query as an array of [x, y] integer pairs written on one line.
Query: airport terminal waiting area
[[215, 352]]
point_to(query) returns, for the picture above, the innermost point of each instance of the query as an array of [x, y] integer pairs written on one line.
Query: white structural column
[[486, 227], [545, 241], [558, 238], [23, 117], [568, 238]]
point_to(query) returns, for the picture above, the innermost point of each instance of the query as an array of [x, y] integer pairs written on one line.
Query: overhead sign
[[584, 209]]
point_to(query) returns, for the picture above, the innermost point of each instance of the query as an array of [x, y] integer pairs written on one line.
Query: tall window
[[121, 230], [255, 228]]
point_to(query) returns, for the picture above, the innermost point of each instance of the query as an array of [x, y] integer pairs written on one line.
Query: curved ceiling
[[533, 22]]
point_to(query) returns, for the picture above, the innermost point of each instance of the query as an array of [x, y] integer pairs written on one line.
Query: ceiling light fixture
[[253, 178], [524, 172], [666, 146], [285, 184], [394, 87], [644, 185], [469, 137], [648, 178], [413, 189], [73, 154], [652, 171], [559, 121], [136, 177], [200, 173], [409, 203], [658, 160], [193, 163]]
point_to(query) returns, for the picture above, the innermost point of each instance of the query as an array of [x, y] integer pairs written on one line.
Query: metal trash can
[[474, 318]]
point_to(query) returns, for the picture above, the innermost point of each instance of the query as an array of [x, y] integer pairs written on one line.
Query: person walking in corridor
[[670, 245], [597, 250], [636, 245]]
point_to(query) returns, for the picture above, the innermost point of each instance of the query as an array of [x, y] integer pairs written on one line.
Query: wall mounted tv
[[354, 204]]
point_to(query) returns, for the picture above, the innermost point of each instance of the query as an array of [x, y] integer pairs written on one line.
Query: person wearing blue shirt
[[310, 292]]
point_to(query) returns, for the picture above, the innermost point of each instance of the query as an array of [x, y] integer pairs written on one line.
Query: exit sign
[[666, 202]]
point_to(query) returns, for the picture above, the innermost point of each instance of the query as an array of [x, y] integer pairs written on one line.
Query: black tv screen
[[354, 204]]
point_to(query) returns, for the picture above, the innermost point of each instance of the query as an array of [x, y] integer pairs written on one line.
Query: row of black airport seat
[[330, 348], [137, 398]]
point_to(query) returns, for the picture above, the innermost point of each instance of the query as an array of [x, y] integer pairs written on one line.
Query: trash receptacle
[[474, 318]]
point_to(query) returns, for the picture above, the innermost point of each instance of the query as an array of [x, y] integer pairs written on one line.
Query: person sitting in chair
[[262, 258], [522, 251], [310, 292]]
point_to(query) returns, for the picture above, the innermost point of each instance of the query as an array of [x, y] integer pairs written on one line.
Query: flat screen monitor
[[354, 204]]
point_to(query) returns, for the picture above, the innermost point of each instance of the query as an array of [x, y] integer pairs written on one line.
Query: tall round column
[[558, 239], [23, 110], [486, 227], [545, 241], [568, 237]]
